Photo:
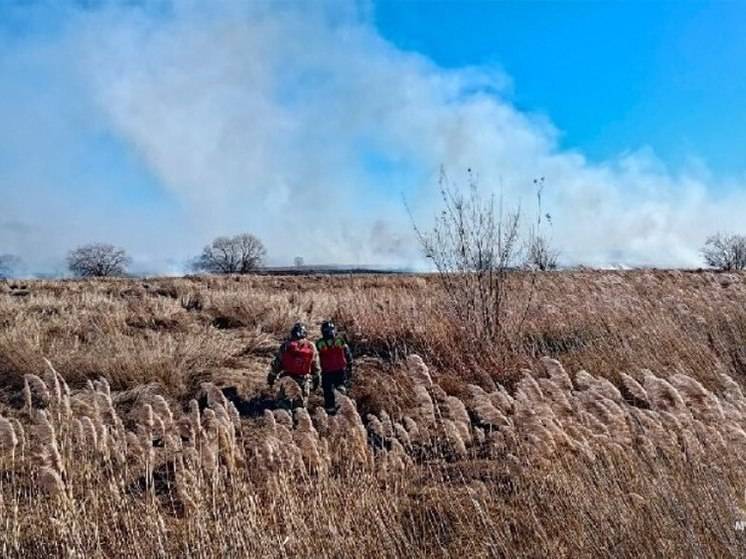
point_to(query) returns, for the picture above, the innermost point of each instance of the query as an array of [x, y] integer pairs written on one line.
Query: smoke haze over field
[[159, 127]]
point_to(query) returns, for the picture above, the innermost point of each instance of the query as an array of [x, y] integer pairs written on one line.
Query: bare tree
[[473, 246], [725, 252], [9, 263], [98, 260], [231, 255]]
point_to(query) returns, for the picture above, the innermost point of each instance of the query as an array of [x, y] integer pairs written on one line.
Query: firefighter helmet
[[328, 329], [298, 331]]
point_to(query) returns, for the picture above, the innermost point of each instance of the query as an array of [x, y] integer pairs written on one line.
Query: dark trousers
[[330, 381]]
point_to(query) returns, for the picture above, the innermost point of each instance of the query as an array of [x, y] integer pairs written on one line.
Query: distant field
[[446, 447]]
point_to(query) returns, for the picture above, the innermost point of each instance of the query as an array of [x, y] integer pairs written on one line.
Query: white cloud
[[305, 126]]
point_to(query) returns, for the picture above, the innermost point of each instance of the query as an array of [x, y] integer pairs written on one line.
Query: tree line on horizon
[[240, 254], [245, 253]]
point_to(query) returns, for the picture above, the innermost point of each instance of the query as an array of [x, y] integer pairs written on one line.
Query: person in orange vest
[[298, 359], [336, 363]]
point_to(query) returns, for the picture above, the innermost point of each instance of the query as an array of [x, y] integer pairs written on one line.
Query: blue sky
[[157, 125], [612, 76]]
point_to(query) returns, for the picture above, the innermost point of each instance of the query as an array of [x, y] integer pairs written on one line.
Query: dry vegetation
[[122, 444]]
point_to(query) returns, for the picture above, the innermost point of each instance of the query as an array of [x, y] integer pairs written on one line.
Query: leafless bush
[[98, 260], [725, 252], [473, 246], [232, 255], [540, 255]]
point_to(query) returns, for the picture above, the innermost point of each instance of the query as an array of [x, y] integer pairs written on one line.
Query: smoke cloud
[[303, 126]]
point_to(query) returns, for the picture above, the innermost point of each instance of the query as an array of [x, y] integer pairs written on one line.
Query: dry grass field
[[613, 423]]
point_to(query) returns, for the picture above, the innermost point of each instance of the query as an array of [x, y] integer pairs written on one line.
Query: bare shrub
[[98, 260], [540, 255], [472, 248], [725, 252], [241, 254]]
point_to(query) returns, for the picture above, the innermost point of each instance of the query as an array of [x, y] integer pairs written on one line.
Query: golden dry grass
[[122, 445]]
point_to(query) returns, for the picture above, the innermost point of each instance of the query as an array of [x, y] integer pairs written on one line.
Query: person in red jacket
[[336, 363], [298, 359]]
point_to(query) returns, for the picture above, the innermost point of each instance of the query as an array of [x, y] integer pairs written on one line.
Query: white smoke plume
[[300, 123]]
